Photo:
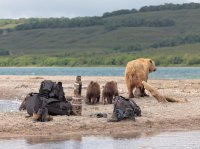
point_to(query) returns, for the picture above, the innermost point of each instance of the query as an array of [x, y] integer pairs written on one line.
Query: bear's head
[[152, 66]]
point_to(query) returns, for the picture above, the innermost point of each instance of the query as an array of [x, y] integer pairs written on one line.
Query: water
[[167, 140], [161, 73], [9, 105], [64, 71]]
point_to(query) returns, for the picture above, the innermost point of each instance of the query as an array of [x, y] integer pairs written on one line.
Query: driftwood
[[170, 99], [154, 92], [160, 98]]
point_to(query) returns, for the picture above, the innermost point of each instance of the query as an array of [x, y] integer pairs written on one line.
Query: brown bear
[[93, 93], [137, 71], [109, 91]]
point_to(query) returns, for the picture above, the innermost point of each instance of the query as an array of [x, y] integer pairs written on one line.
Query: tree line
[[36, 23], [187, 39], [109, 24], [138, 22], [116, 60], [167, 6], [171, 42]]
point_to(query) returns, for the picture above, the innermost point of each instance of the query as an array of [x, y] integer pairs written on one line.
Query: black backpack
[[50, 100], [50, 89], [56, 107], [34, 103], [28, 103], [124, 108]]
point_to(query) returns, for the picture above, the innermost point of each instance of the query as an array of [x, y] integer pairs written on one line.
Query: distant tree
[[193, 60], [176, 60], [177, 41], [137, 22], [170, 6], [34, 23], [119, 12]]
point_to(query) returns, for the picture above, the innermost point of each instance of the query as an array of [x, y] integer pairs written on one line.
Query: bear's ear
[[150, 61]]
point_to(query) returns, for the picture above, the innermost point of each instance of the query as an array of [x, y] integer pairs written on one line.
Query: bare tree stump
[[154, 92]]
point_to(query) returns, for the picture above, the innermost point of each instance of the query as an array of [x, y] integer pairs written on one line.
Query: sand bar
[[155, 116]]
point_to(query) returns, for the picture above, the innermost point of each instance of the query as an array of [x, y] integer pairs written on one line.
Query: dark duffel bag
[[29, 102], [50, 89], [57, 107], [124, 108], [34, 103]]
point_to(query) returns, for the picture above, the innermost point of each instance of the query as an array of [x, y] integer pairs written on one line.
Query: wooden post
[[77, 87], [76, 106]]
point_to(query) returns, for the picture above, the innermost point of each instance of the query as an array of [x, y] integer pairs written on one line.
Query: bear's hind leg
[[130, 92], [143, 93]]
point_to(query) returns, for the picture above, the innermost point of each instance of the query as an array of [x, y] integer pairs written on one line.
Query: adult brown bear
[[110, 90], [137, 71]]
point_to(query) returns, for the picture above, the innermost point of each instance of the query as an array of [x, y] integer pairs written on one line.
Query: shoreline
[[156, 117]]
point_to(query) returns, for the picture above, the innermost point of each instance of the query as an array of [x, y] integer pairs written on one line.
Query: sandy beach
[[155, 117]]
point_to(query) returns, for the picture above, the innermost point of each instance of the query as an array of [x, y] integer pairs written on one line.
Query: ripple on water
[[175, 140], [9, 105]]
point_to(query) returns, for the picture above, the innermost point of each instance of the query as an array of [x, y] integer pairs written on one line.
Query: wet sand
[[155, 116]]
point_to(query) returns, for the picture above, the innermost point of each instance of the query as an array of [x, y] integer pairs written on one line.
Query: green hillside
[[170, 35]]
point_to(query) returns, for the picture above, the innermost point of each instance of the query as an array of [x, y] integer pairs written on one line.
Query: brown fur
[[136, 72], [93, 93], [109, 91]]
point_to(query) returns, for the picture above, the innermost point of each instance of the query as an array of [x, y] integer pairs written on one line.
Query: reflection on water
[[9, 105], [175, 140]]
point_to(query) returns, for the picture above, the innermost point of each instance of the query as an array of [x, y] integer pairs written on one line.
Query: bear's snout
[[154, 69]]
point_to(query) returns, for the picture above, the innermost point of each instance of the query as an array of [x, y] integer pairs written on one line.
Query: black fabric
[[46, 87], [43, 106], [50, 100], [36, 104], [50, 89], [56, 107], [125, 108], [30, 101]]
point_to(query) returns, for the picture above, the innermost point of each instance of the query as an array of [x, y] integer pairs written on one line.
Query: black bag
[[34, 103], [56, 107], [50, 89], [125, 108], [28, 103]]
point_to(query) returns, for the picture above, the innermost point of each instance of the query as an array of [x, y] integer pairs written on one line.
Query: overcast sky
[[72, 8]]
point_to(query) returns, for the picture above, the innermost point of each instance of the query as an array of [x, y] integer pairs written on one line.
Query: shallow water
[[167, 140], [9, 105], [161, 73]]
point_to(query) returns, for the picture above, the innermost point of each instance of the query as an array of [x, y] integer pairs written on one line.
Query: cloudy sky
[[72, 8]]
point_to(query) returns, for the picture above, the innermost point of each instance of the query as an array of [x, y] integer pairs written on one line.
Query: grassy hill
[[95, 45]]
